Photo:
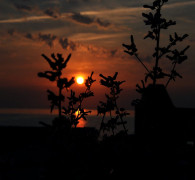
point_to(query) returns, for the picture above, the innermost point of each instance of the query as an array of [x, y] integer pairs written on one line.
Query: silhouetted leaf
[[166, 24], [184, 50], [171, 38], [101, 110], [184, 36], [176, 36], [182, 59], [150, 35], [115, 75], [89, 81], [66, 61], [127, 46], [54, 57], [69, 83], [176, 74], [139, 88], [52, 64], [150, 7], [54, 99], [87, 94], [131, 48], [130, 53], [49, 75]]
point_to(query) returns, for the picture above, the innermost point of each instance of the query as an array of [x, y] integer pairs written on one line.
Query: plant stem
[[102, 123], [60, 94], [60, 103], [157, 53], [142, 63], [121, 117], [171, 75]]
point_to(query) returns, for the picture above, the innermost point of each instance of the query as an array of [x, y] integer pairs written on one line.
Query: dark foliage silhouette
[[162, 130], [162, 148], [157, 23], [57, 64], [74, 110], [110, 106]]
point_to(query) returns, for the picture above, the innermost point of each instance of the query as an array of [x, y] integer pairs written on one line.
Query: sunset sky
[[93, 31]]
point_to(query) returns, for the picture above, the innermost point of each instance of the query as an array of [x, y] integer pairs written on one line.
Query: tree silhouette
[[157, 23], [110, 106]]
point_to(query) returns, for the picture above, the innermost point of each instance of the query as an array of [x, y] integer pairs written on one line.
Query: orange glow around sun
[[82, 122], [80, 80]]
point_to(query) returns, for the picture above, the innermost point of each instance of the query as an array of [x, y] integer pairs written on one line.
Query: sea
[[34, 117]]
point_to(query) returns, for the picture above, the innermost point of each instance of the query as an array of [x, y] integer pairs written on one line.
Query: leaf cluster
[[57, 63]]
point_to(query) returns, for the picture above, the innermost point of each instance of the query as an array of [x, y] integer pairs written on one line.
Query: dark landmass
[[41, 153]]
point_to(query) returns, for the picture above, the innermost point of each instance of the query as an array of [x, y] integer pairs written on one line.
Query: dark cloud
[[11, 32], [102, 23], [55, 13], [87, 20], [47, 38], [65, 43], [81, 18], [52, 13], [23, 7], [113, 52], [29, 36]]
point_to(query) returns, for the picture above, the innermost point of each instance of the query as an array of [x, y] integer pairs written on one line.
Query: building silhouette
[[157, 120]]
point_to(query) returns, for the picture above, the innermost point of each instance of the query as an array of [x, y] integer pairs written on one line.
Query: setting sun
[[80, 80]]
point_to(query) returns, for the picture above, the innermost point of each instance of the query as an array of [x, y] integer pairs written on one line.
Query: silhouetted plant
[[75, 111], [116, 114], [157, 23], [57, 64]]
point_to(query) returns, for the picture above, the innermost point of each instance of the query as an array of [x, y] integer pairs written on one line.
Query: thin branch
[[142, 63], [170, 76], [102, 123], [122, 120]]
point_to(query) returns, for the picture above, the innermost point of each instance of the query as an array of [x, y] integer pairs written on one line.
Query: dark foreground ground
[[28, 153]]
